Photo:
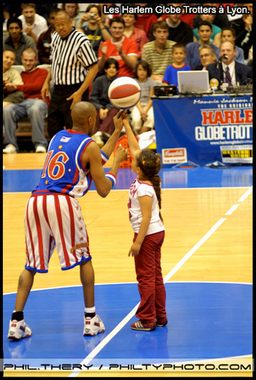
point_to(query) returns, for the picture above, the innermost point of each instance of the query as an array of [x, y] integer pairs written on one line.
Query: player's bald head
[[82, 114]]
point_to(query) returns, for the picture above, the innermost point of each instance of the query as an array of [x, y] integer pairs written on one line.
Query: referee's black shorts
[[59, 113]]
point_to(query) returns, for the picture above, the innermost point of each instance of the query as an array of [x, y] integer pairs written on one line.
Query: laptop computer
[[194, 82]]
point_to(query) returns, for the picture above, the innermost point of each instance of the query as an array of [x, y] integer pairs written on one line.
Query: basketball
[[124, 92]]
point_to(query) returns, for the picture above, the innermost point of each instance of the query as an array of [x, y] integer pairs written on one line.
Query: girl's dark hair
[[232, 30], [111, 61], [150, 164], [146, 66], [94, 6]]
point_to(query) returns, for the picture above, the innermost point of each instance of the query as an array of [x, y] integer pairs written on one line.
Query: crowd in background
[[151, 48]]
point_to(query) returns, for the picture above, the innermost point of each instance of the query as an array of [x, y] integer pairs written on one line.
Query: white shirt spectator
[[39, 26]]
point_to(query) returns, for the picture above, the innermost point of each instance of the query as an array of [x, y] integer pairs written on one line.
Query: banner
[[204, 129]]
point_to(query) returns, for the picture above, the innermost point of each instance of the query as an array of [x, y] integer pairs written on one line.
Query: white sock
[[90, 309]]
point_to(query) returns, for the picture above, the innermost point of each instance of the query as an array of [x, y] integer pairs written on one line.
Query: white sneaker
[[93, 326], [40, 149], [10, 148], [18, 330]]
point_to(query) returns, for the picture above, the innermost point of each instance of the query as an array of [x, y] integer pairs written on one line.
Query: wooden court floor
[[208, 238]]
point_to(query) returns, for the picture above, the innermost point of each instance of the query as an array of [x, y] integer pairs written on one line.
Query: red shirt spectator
[[121, 48], [128, 47], [145, 22], [33, 82]]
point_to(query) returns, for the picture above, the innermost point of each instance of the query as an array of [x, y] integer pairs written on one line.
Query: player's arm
[[111, 143], [146, 210], [132, 141], [92, 158]]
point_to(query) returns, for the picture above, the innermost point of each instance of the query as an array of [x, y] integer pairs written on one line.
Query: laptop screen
[[193, 82]]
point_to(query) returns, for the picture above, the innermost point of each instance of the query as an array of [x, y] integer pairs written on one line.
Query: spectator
[[158, 53], [220, 20], [93, 27], [45, 39], [33, 24], [192, 49], [142, 116], [178, 64], [244, 31], [179, 31], [17, 41], [6, 16], [121, 48], [131, 31], [229, 71], [207, 56], [99, 97], [215, 35], [229, 34], [11, 79], [145, 22], [72, 10], [32, 107], [74, 67]]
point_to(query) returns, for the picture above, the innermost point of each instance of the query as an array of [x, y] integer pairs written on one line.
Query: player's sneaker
[[18, 330], [93, 326]]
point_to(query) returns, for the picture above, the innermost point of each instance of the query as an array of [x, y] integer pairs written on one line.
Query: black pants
[[59, 113]]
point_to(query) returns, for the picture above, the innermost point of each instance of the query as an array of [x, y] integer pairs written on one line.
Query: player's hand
[[125, 119], [118, 120], [120, 154], [135, 249]]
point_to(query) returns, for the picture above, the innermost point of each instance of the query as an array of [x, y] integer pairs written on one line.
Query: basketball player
[[54, 217]]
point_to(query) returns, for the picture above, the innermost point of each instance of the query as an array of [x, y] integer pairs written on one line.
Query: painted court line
[[121, 324]]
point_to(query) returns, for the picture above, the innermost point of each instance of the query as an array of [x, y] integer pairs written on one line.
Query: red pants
[[150, 280]]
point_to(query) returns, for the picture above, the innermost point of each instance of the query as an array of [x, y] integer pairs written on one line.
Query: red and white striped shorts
[[55, 220]]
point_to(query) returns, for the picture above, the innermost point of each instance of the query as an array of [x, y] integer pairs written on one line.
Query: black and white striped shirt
[[70, 58]]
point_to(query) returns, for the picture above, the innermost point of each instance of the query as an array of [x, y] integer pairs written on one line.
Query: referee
[[74, 67]]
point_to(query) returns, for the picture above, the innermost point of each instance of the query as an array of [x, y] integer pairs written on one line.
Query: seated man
[[11, 78], [158, 53], [32, 107], [16, 40], [207, 56], [204, 33], [228, 70]]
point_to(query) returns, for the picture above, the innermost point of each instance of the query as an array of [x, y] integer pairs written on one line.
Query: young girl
[[142, 114], [178, 64], [144, 213]]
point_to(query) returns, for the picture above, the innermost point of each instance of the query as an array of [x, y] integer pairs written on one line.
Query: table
[[204, 129]]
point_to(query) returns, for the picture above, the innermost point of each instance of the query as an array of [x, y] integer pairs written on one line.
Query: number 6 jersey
[[63, 171]]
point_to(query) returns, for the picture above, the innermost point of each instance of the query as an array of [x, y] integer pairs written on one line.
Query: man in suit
[[227, 70]]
